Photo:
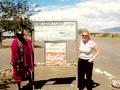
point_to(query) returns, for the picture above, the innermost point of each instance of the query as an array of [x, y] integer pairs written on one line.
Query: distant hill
[[114, 29]]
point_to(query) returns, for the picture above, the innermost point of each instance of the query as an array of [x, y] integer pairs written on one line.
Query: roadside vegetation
[[14, 15]]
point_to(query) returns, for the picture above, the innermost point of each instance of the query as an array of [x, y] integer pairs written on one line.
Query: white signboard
[[55, 53], [55, 30]]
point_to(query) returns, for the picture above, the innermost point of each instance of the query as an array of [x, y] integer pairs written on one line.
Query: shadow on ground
[[5, 84], [39, 84], [53, 81], [88, 85], [95, 84]]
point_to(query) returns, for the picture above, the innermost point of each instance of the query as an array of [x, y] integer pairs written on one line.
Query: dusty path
[[108, 61]]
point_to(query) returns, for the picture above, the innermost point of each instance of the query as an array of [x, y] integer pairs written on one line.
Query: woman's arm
[[97, 51]]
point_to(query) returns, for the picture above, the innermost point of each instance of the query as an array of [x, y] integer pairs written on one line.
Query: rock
[[98, 71], [115, 83], [5, 75]]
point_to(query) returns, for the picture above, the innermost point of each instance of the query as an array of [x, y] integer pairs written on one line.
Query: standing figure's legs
[[81, 74], [19, 85], [30, 85], [89, 76]]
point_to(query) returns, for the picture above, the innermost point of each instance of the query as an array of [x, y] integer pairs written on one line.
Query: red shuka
[[28, 59]]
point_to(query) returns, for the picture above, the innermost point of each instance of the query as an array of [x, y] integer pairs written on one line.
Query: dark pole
[[0, 37], [32, 32]]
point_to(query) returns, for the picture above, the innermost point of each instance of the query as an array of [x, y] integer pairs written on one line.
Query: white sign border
[[42, 35]]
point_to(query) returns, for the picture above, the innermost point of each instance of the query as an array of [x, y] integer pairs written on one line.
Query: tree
[[14, 15]]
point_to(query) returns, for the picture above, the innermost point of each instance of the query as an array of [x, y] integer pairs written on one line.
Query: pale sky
[[91, 14]]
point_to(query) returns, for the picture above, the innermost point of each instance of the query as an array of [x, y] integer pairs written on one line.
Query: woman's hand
[[91, 59]]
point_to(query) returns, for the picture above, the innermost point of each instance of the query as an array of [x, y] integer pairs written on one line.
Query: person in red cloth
[[22, 59]]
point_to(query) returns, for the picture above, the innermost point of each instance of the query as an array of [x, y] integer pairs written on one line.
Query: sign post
[[55, 30], [55, 34]]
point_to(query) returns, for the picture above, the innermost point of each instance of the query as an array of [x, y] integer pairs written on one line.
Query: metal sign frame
[[55, 30]]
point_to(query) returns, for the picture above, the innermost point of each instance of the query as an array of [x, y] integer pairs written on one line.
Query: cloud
[[90, 14]]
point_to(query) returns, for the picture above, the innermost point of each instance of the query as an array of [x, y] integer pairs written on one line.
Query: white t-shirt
[[86, 49]]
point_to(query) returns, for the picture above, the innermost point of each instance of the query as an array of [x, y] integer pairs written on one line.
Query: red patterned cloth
[[21, 74], [28, 59], [17, 75]]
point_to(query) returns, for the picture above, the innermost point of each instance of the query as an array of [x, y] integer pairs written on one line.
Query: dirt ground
[[58, 78], [106, 68]]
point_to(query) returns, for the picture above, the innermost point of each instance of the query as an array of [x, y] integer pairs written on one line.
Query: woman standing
[[22, 59], [88, 52]]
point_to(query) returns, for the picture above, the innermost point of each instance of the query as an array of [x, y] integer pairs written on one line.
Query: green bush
[[105, 35]]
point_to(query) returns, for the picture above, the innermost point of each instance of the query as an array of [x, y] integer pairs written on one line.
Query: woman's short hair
[[18, 33]]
